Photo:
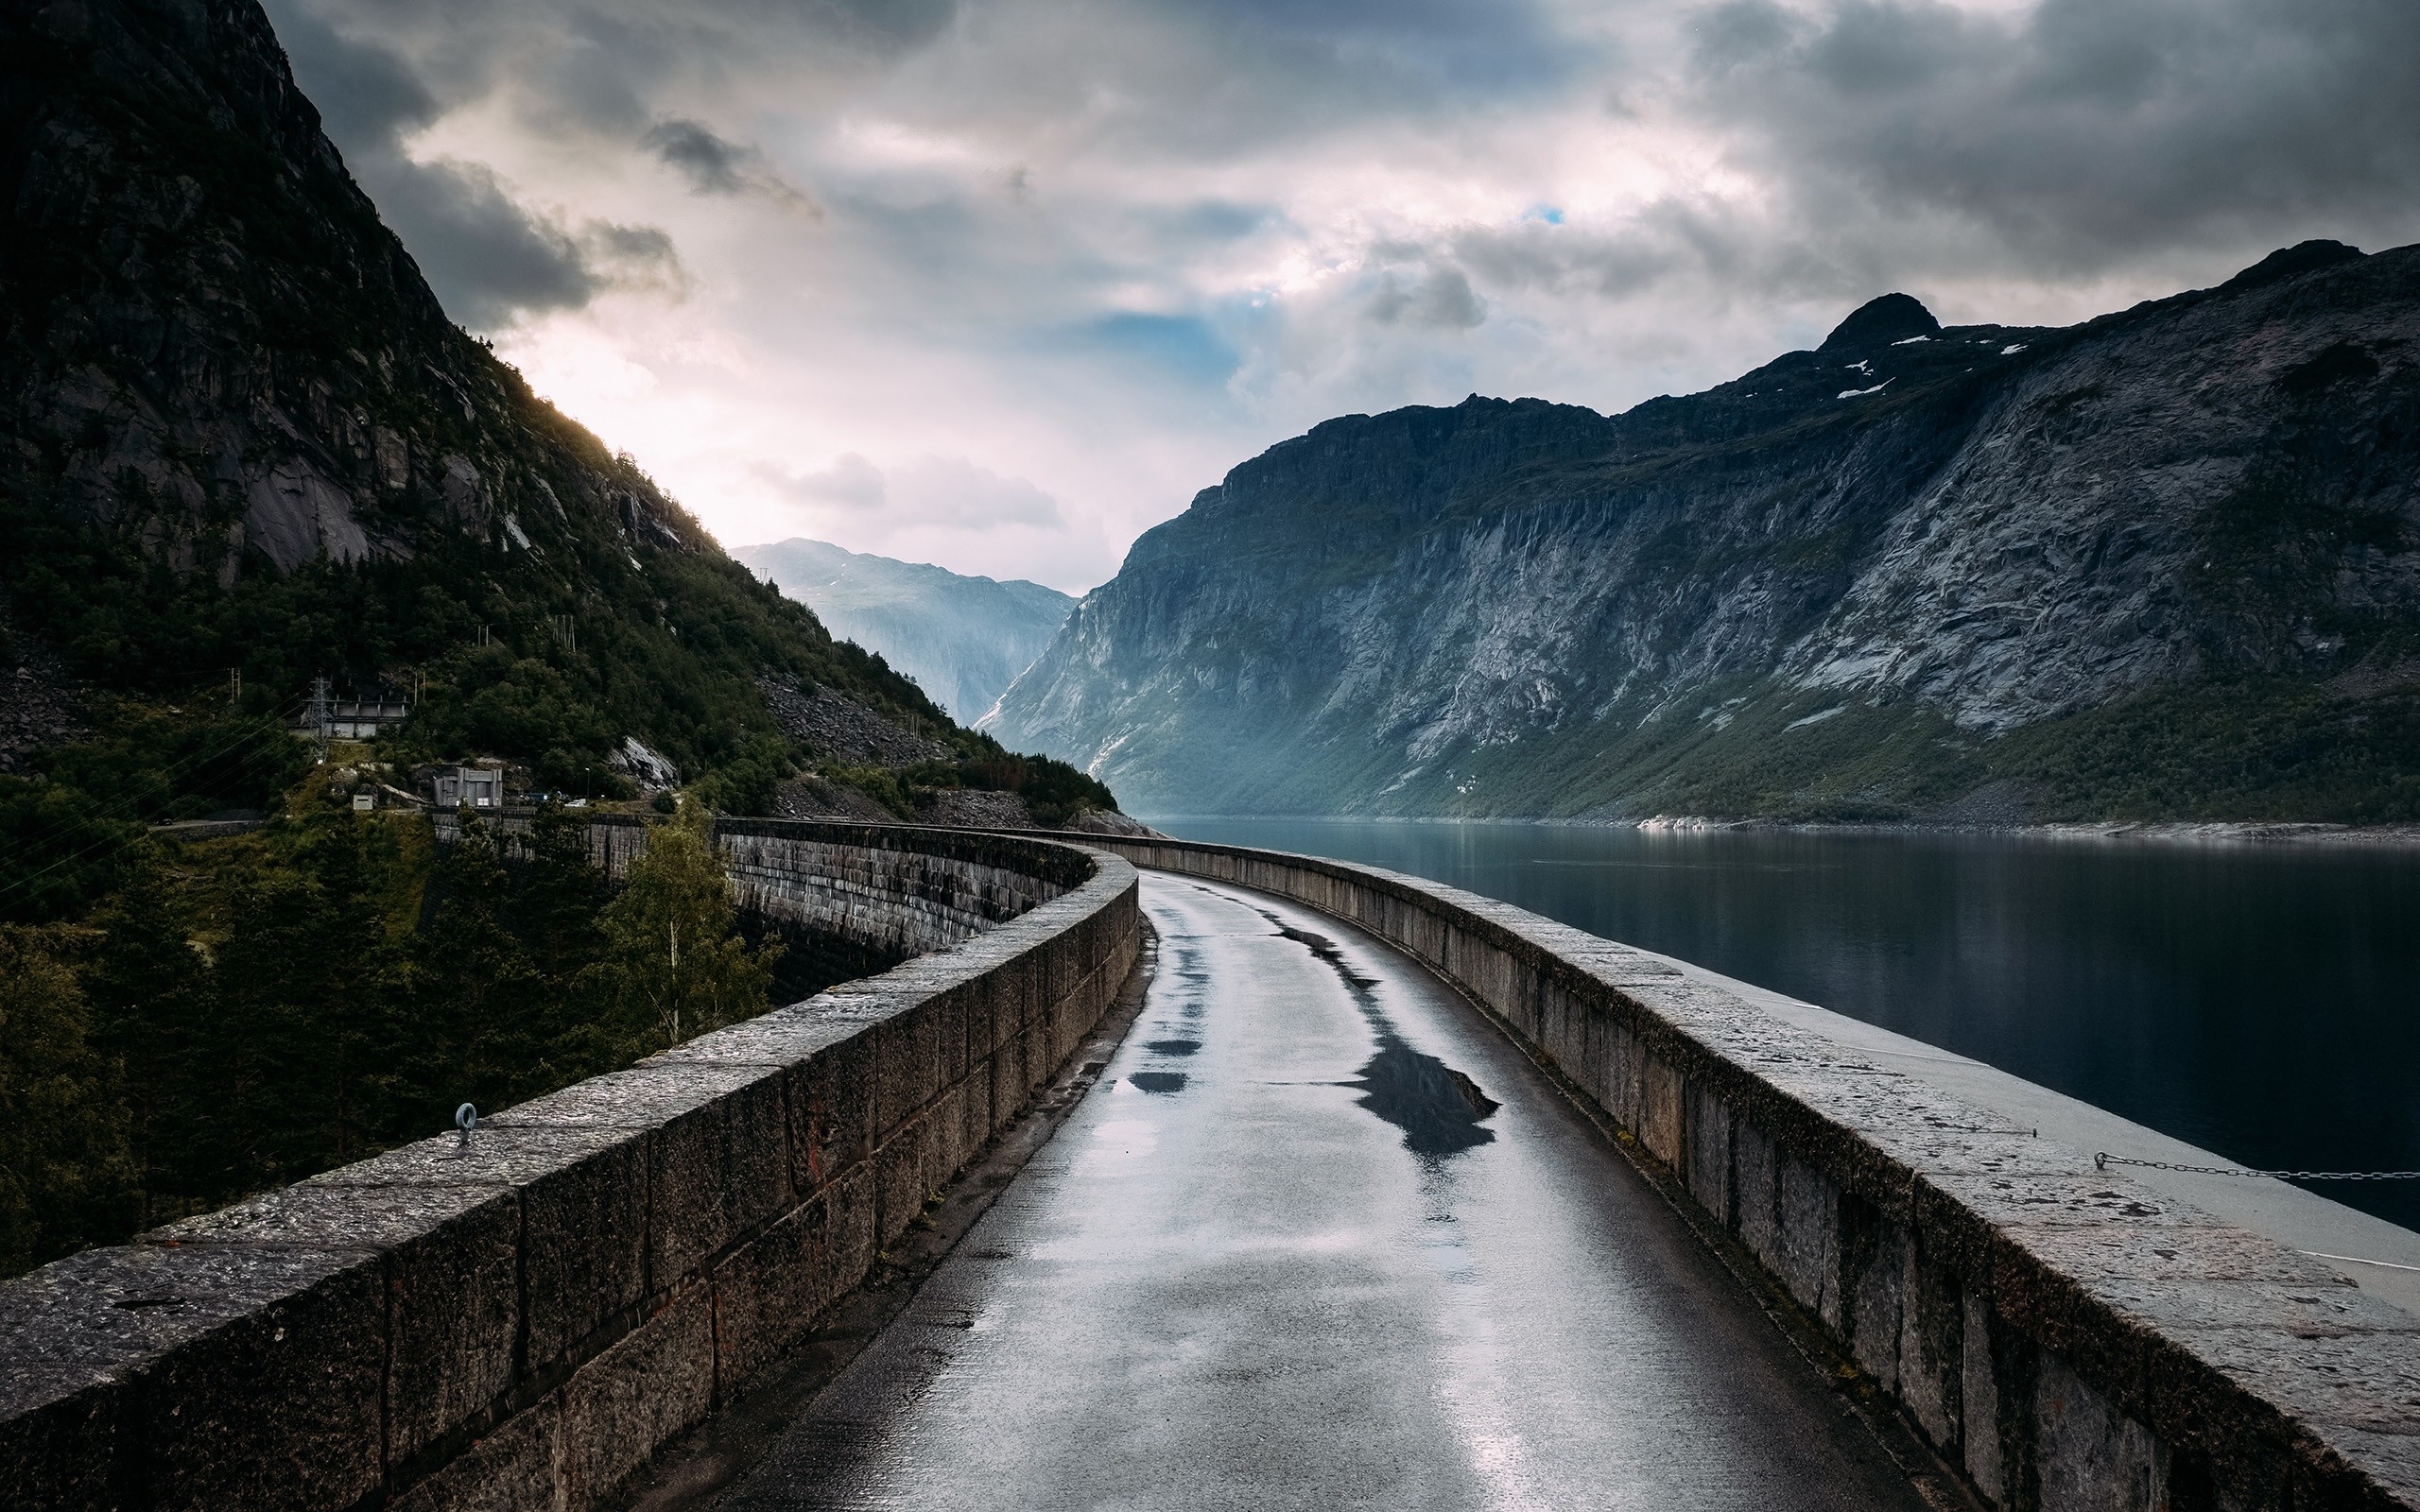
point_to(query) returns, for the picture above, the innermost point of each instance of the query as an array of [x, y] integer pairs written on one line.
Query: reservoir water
[[2260, 999]]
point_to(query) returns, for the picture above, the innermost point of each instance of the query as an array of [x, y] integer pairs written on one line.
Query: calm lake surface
[[2262, 1001]]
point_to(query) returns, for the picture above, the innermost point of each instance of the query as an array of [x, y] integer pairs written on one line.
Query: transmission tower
[[319, 714]]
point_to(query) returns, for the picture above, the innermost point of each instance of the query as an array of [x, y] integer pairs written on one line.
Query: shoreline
[[2157, 832]]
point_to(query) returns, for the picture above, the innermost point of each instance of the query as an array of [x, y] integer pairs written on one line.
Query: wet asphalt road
[[1322, 1238]]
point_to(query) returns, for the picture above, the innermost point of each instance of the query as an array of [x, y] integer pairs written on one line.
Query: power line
[[164, 777]]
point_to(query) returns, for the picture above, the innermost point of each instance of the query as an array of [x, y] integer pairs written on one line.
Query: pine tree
[[561, 894], [472, 1035], [64, 1178], [149, 991]]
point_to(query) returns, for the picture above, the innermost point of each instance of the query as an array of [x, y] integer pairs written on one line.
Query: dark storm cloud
[[489, 258], [1441, 299], [715, 167], [711, 164], [2081, 132]]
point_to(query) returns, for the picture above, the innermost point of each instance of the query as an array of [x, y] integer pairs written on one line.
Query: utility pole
[[318, 715]]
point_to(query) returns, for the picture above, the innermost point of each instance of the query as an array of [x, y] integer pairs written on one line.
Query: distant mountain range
[[964, 640], [2162, 564]]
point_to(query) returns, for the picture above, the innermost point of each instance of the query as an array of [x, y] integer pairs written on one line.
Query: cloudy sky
[[999, 283]]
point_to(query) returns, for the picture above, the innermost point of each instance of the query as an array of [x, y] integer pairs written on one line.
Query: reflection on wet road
[[1320, 1239]]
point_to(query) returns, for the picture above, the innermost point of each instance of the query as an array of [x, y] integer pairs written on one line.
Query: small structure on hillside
[[459, 787], [326, 718], [365, 720]]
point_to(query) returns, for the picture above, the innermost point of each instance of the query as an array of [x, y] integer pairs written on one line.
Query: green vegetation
[[1053, 790], [2249, 747], [673, 957], [239, 1013], [531, 659]]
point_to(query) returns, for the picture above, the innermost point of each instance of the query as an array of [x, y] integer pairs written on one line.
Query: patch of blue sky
[[1183, 346], [1552, 215], [1223, 220]]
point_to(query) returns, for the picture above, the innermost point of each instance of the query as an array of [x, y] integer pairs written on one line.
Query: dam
[[1388, 1194]]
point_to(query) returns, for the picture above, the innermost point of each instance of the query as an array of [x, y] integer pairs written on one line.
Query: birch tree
[[673, 953]]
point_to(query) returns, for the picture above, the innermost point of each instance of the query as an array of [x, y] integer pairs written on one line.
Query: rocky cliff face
[[2161, 564], [964, 640], [212, 340], [237, 431]]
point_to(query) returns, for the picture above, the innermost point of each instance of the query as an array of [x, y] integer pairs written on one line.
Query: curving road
[[1322, 1238]]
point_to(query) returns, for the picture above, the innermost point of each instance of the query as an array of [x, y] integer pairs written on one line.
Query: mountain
[[964, 640], [2160, 564], [242, 447]]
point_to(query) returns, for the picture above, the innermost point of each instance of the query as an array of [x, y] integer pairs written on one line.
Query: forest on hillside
[[235, 1014]]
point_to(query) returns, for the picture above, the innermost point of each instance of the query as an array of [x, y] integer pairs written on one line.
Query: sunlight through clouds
[[1107, 249]]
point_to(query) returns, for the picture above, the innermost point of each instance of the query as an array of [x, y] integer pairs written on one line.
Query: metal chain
[[2103, 1161]]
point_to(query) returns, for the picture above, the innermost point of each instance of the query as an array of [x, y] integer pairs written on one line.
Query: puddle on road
[[1438, 1110], [1172, 1047], [1164, 1082]]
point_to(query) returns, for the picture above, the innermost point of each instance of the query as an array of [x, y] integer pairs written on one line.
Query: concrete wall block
[[946, 1146], [1057, 971], [651, 1386], [2089, 1456], [976, 1109], [1075, 1014], [1808, 1263], [900, 1186], [848, 1227], [1876, 1257], [1665, 1096], [60, 1441], [981, 1006], [511, 1469], [1756, 1192], [712, 1173], [1008, 1085], [1994, 1435], [1630, 1089], [949, 1011], [1932, 1331], [907, 1061], [1013, 1001], [767, 1292], [831, 1111], [455, 1300], [1032, 1052], [452, 1282], [278, 1407], [584, 1250], [1707, 1171]]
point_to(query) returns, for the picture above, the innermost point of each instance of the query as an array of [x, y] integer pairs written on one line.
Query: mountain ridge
[[1865, 581], [962, 639], [242, 447]]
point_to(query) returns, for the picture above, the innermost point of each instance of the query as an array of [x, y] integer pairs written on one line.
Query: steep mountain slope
[[238, 434], [964, 640], [2162, 563]]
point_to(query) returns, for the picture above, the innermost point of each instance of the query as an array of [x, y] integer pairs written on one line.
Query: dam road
[[1321, 1236]]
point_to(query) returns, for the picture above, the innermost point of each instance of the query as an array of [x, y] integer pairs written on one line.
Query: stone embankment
[[519, 1318], [2066, 1338]]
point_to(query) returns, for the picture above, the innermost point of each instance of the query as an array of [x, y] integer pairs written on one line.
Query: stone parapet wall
[[518, 1320], [2067, 1338], [894, 889]]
